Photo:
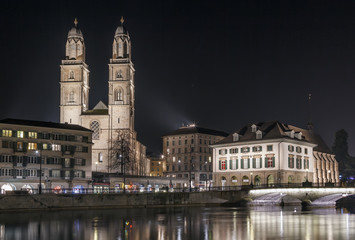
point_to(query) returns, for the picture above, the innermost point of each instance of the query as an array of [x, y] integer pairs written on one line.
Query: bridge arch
[[245, 180]]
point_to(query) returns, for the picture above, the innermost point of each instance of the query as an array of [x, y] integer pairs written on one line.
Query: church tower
[[121, 82], [74, 78]]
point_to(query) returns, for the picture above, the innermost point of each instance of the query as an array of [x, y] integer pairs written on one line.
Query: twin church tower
[[104, 120]]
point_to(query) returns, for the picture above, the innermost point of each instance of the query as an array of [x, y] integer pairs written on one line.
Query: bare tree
[[122, 152]]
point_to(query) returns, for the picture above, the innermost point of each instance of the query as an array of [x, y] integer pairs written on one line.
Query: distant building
[[105, 120], [61, 151], [273, 153], [188, 156], [156, 166]]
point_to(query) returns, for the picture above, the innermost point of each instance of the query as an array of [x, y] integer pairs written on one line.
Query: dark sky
[[221, 64]]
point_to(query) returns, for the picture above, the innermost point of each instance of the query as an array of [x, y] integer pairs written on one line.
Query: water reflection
[[180, 224]]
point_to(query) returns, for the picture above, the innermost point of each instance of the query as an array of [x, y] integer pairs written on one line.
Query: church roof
[[75, 32], [99, 109], [195, 129], [100, 105], [43, 124]]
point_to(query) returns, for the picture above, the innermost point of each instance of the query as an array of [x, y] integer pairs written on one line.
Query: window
[[55, 173], [20, 134], [167, 143], [95, 127], [100, 157], [118, 95], [257, 162], [235, 137], [233, 150], [119, 72], [173, 159], [270, 162], [306, 163], [298, 162], [223, 151], [306, 151], [269, 148], [71, 74], [80, 162], [291, 148], [257, 149], [19, 146], [56, 147], [245, 163], [6, 133], [5, 159], [222, 164], [67, 162], [210, 159], [71, 97], [32, 146], [291, 161], [245, 150], [78, 174], [298, 149]]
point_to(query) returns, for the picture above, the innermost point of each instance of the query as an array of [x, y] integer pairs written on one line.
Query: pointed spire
[[122, 20], [76, 22], [310, 124]]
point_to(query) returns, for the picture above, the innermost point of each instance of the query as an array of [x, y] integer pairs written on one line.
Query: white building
[[272, 153], [104, 120]]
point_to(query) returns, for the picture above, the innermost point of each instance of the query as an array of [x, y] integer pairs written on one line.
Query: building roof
[[99, 109], [315, 138], [276, 130], [195, 129], [43, 124]]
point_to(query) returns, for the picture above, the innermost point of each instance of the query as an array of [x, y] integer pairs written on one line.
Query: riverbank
[[94, 201]]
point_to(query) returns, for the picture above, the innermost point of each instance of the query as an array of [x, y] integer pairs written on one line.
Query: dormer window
[[298, 135], [253, 128], [259, 134], [235, 137]]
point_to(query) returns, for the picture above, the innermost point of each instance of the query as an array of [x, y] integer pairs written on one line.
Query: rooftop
[[191, 129], [43, 124]]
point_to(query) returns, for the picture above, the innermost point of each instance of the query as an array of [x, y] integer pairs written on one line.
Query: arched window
[[71, 97], [95, 127], [119, 74], [71, 75], [118, 95], [100, 157]]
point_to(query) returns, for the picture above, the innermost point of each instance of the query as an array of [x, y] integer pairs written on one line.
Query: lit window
[[20, 134], [56, 147], [7, 133], [100, 157], [245, 149], [19, 146], [45, 146], [210, 159], [173, 159], [32, 146], [222, 165], [32, 134]]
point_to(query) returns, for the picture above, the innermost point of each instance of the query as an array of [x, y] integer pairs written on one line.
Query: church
[[105, 120]]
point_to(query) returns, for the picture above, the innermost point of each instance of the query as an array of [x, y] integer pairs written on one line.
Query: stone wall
[[63, 201]]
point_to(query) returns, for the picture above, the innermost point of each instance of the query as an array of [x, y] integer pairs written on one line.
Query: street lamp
[[40, 171], [96, 166], [251, 178]]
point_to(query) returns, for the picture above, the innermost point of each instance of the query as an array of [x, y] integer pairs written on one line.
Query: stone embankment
[[90, 201]]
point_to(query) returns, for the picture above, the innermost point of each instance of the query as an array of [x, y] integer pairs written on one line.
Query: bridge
[[313, 196]]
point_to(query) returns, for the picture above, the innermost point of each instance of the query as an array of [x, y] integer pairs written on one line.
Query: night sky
[[220, 64]]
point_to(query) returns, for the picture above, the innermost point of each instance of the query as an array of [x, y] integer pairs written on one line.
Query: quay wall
[[89, 201]]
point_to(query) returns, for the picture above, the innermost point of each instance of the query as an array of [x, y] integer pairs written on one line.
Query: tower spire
[[122, 20], [76, 22], [310, 124]]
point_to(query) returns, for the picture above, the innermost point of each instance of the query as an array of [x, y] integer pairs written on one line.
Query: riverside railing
[[166, 189]]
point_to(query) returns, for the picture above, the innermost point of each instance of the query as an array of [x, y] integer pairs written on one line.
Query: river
[[180, 223]]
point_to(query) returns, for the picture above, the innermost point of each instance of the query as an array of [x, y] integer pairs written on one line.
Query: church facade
[[106, 121]]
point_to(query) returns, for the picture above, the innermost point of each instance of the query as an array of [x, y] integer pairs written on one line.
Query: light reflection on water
[[180, 224]]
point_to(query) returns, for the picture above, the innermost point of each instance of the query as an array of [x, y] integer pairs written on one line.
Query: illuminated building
[[188, 155], [61, 151], [273, 153], [105, 120]]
